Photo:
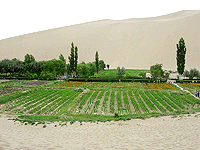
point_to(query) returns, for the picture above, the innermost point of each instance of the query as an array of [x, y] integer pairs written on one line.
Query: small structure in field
[[148, 75]]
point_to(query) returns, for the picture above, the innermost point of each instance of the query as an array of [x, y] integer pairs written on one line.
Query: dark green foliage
[[76, 59], [108, 66], [92, 68], [11, 66], [181, 51], [116, 115], [35, 67], [28, 59], [97, 61], [192, 73], [102, 65], [61, 57], [143, 75], [56, 67], [71, 58], [157, 71], [121, 71], [83, 69]]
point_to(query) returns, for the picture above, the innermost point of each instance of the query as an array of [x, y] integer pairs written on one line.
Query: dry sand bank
[[132, 43], [153, 133]]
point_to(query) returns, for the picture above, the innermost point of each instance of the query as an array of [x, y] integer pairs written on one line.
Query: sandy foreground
[[182, 132]]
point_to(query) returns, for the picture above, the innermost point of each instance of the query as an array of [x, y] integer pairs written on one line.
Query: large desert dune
[[132, 43]]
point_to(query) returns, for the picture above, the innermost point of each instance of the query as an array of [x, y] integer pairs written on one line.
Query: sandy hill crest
[[132, 43]]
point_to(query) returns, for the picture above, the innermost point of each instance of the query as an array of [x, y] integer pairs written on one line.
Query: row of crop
[[190, 85], [167, 100], [64, 101], [154, 101], [158, 86], [93, 85], [41, 103], [46, 102], [177, 99], [185, 99], [83, 100], [67, 104], [91, 100], [126, 102], [70, 84], [141, 103], [147, 101], [21, 100], [119, 102], [133, 101], [158, 98], [26, 102], [65, 96], [105, 102], [99, 98], [112, 102], [45, 105]]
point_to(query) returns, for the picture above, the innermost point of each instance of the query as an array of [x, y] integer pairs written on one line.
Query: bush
[[116, 115]]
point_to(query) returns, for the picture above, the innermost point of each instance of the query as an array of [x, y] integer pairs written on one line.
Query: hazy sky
[[19, 17]]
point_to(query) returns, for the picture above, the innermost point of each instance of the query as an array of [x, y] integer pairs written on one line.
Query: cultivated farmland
[[63, 99]]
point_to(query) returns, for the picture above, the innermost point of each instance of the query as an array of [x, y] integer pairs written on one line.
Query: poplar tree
[[97, 61], [71, 58], [76, 59], [181, 51]]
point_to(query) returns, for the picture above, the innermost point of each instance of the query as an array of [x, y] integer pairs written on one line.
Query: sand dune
[[132, 43], [153, 133]]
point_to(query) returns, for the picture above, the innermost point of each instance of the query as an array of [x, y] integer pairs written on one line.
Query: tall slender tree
[[76, 59], [71, 58], [97, 61], [181, 51]]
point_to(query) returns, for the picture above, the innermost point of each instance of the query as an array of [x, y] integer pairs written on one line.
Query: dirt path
[[83, 109], [93, 103], [137, 103], [185, 90], [130, 103], [101, 104]]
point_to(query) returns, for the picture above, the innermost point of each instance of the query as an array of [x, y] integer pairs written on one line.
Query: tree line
[[51, 68], [83, 69]]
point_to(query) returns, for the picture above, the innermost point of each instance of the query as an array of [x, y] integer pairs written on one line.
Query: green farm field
[[112, 72], [38, 101]]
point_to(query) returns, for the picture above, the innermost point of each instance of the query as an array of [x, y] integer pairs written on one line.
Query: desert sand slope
[[181, 132], [132, 43]]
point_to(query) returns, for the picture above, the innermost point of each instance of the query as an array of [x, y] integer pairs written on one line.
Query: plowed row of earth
[[102, 102], [68, 101]]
